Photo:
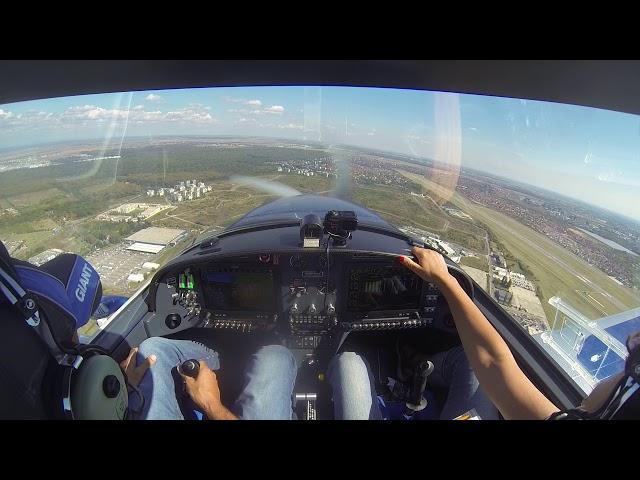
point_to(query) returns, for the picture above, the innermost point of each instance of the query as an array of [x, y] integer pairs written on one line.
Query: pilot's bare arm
[[205, 393], [498, 373]]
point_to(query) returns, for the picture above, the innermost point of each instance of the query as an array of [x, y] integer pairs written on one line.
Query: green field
[[57, 206], [475, 262], [402, 208], [555, 271]]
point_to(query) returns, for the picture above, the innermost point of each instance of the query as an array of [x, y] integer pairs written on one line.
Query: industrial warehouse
[[123, 267], [154, 239]]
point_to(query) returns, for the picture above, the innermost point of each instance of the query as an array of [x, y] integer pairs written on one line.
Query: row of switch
[[387, 325], [305, 342], [232, 325], [258, 316], [313, 320]]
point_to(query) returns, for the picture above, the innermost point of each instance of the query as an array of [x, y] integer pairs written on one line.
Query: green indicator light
[[181, 282], [190, 281]]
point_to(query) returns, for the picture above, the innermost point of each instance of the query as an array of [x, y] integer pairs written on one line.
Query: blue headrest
[[67, 289], [68, 281]]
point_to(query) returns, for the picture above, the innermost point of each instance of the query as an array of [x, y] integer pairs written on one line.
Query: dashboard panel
[[305, 297]]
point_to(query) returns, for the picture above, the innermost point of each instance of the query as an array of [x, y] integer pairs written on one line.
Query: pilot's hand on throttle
[[430, 265], [135, 374], [204, 389]]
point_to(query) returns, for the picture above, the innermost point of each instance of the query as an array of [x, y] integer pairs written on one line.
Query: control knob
[[331, 309], [312, 309], [294, 310], [190, 368]]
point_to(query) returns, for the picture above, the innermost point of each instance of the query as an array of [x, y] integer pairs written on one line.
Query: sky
[[585, 153]]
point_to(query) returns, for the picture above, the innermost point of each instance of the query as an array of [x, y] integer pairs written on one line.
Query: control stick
[[190, 368], [416, 400]]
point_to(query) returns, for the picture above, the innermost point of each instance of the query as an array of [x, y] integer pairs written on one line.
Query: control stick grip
[[419, 383], [190, 368]]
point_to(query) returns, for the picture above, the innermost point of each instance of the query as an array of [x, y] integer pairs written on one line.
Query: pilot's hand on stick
[[204, 389], [135, 374], [430, 265]]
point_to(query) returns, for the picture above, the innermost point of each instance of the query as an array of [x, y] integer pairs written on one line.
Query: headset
[[44, 372]]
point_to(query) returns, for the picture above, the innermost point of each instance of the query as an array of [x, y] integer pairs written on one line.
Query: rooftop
[[155, 235]]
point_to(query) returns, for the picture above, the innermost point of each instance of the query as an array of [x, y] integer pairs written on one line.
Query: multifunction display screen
[[383, 288], [239, 291]]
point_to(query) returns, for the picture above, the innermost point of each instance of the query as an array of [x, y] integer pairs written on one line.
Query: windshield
[[536, 201]]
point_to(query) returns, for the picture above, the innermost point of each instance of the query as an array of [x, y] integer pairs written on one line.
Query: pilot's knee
[[277, 357], [153, 345], [349, 364]]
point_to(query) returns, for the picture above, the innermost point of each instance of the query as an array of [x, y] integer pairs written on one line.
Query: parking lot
[[115, 263]]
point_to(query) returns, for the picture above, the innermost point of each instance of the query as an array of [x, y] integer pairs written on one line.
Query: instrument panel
[[305, 297]]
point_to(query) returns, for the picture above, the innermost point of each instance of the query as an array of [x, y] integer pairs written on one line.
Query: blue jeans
[[452, 371], [268, 387], [354, 391], [270, 379], [355, 396]]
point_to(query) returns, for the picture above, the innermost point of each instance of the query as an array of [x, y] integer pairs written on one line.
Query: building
[[135, 278], [446, 247], [154, 239], [497, 260], [150, 266], [150, 193], [45, 256]]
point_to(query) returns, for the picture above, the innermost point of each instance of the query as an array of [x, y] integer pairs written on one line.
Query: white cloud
[[152, 97], [247, 120], [92, 115], [275, 109], [291, 126], [244, 101], [193, 113]]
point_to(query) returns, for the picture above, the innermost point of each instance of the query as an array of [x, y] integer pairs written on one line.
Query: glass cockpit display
[[239, 291], [383, 288]]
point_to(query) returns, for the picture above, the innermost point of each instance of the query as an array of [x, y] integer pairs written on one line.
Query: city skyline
[[585, 153]]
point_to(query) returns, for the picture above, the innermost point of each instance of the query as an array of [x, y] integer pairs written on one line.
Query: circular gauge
[[297, 261], [264, 258]]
